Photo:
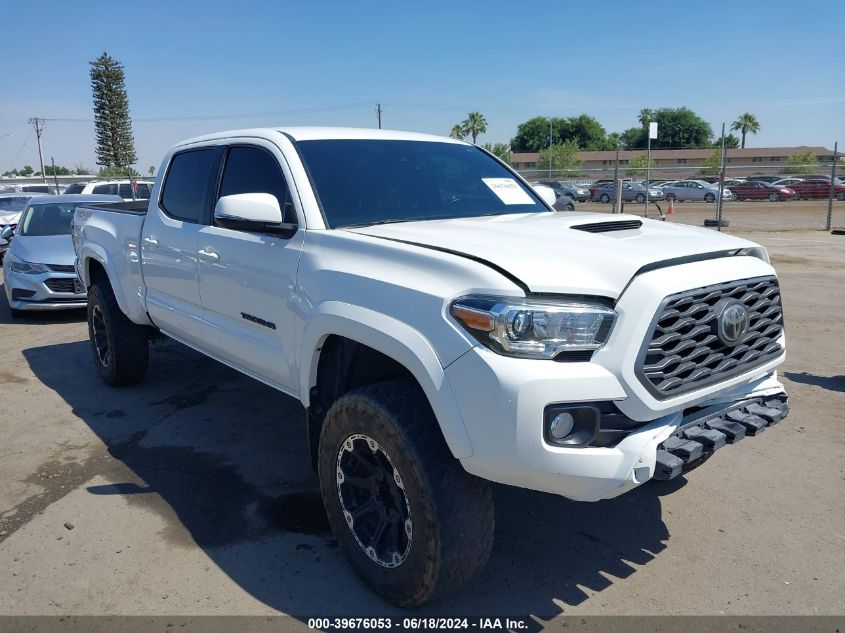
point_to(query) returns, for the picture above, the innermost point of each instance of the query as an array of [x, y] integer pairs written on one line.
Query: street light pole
[[551, 153]]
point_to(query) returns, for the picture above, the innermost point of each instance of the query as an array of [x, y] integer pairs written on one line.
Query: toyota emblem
[[732, 323]]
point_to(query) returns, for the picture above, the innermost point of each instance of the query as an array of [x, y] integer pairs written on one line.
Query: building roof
[[689, 154]]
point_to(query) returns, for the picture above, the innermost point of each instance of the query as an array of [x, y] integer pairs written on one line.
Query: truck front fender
[[394, 339]]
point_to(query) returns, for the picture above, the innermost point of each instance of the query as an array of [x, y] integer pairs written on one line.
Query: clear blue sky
[[328, 63]]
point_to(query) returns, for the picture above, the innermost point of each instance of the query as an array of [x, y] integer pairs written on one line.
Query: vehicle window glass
[[76, 187], [47, 219], [142, 191], [186, 186], [253, 170], [14, 204], [124, 190], [106, 189], [370, 181], [36, 188]]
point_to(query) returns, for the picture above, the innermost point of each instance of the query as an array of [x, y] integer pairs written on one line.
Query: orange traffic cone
[[671, 209]]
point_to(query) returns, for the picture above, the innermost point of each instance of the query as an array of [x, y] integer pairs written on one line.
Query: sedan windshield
[[362, 182], [47, 219]]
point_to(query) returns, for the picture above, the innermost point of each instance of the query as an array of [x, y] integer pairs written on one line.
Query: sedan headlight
[[534, 328], [19, 266]]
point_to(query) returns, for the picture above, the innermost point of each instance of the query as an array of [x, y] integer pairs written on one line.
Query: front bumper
[[30, 292], [502, 401]]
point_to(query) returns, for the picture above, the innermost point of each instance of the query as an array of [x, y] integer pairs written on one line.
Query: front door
[[247, 279]]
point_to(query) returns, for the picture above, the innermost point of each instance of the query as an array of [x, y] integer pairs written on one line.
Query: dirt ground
[[191, 493]]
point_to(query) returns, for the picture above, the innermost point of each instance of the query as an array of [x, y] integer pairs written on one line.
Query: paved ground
[[190, 494]]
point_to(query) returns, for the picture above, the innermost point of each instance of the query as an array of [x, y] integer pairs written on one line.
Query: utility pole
[[721, 183], [55, 177], [378, 114], [39, 128], [551, 153], [830, 193], [616, 184]]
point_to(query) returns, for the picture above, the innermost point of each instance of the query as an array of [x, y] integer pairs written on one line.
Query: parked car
[[38, 269], [815, 188], [769, 179], [580, 194], [759, 190], [786, 182], [631, 192], [11, 207], [122, 188], [681, 190], [417, 297], [602, 182]]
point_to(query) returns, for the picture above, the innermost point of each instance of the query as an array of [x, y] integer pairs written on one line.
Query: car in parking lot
[[122, 188], [38, 269], [631, 192], [11, 207], [681, 190], [579, 194], [759, 190], [815, 188]]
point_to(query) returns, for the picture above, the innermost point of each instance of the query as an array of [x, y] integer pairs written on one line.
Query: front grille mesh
[[61, 268], [60, 285], [684, 353]]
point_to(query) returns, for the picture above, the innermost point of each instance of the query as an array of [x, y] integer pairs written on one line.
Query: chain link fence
[[753, 197]]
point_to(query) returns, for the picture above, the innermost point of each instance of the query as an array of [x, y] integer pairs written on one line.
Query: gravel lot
[[191, 493]]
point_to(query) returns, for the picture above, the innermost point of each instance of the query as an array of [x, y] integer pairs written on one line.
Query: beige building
[[748, 160]]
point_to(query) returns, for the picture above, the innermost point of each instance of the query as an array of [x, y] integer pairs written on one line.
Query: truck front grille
[[683, 352]]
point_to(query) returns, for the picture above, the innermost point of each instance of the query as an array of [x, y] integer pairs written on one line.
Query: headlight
[[19, 266], [530, 328]]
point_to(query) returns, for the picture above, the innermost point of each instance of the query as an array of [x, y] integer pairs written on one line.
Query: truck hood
[[546, 254]]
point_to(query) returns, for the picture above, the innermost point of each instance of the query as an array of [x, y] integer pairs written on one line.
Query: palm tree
[[473, 125], [746, 123], [151, 171], [457, 132]]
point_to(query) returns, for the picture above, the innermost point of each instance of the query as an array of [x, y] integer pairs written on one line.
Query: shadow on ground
[[222, 458], [831, 383]]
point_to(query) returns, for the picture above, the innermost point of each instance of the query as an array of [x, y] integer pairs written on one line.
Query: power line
[[241, 115]]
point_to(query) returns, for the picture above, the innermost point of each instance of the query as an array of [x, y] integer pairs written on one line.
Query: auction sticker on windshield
[[508, 191]]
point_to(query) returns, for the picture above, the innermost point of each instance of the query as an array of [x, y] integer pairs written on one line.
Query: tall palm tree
[[746, 123], [473, 125], [457, 132]]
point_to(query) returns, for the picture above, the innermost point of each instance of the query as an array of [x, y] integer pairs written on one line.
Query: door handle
[[208, 255], [151, 242]]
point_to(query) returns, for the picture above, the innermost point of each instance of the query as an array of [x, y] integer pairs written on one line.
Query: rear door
[[169, 241], [247, 279]]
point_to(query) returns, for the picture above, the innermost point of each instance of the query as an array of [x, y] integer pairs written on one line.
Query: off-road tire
[[128, 343], [451, 511]]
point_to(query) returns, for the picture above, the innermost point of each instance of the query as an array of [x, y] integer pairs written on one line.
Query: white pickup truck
[[443, 326]]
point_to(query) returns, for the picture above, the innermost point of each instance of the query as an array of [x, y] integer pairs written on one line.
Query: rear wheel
[[709, 197], [413, 523], [773, 197], [604, 198], [120, 347], [840, 196], [640, 198]]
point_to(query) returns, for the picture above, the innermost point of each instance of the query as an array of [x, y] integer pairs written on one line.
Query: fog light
[[561, 425]]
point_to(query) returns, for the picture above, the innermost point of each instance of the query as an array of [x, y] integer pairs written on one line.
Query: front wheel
[[773, 197], [120, 347], [640, 198], [604, 198], [840, 196], [413, 523], [709, 198]]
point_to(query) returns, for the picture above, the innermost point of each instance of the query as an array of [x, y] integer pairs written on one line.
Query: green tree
[[502, 150], [26, 171], [731, 142], [152, 170], [677, 128], [637, 165], [533, 134], [118, 172], [60, 171], [805, 162], [560, 157], [81, 170], [710, 165], [457, 132], [473, 125], [115, 143], [584, 130], [746, 123]]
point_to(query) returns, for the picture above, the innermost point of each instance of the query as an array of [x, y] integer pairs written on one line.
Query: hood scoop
[[607, 227]]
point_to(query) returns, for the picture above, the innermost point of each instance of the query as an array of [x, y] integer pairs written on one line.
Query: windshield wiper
[[377, 222]]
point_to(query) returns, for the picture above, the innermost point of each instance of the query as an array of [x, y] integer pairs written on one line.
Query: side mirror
[[7, 233], [258, 212], [546, 193]]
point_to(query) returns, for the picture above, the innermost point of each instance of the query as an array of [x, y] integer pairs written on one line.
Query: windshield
[[47, 219], [15, 204], [372, 181]]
